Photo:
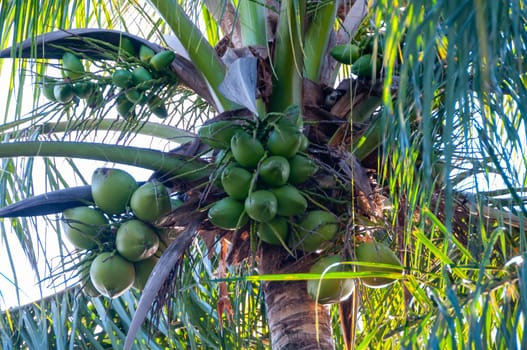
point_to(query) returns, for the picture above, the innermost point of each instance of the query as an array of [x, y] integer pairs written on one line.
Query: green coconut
[[136, 241], [227, 213], [83, 226], [274, 171], [289, 201], [72, 66], [218, 134], [112, 189], [377, 253], [315, 228], [246, 149], [111, 274], [284, 141], [143, 270], [261, 205], [274, 231], [150, 201], [122, 78], [301, 169], [236, 182], [329, 291], [162, 60]]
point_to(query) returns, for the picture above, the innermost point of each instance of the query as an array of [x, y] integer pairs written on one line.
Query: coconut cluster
[[260, 170], [135, 81], [117, 238], [362, 59]]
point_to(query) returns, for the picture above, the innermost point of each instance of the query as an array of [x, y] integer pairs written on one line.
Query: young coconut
[[126, 47], [111, 274], [346, 53], [329, 291], [83, 226], [363, 66], [122, 78], [377, 253], [261, 205], [141, 76], [63, 92], [157, 107], [112, 189], [136, 96], [274, 171], [145, 53], [72, 66], [125, 108], [83, 89], [150, 201], [48, 87], [143, 269], [136, 241], [236, 182], [284, 140], [316, 227], [228, 213], [275, 231], [246, 150], [289, 201], [218, 134], [301, 169], [87, 286], [162, 60]]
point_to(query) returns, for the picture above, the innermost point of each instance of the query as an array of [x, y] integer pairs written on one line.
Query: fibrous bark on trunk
[[295, 320]]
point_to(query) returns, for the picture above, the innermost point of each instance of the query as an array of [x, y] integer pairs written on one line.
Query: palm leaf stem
[[149, 129], [253, 28], [49, 203], [317, 38], [185, 168], [199, 50], [288, 57]]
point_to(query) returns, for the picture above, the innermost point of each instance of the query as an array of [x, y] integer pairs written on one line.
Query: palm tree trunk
[[295, 321]]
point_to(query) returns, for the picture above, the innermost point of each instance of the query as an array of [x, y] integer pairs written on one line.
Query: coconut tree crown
[[328, 153]]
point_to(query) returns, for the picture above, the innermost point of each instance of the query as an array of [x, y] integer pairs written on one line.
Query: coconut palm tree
[[400, 128]]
